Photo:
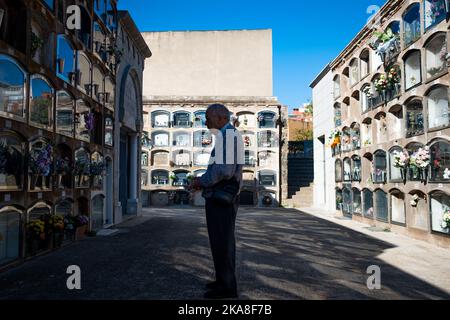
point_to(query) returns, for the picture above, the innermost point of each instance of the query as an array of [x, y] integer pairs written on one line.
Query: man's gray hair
[[220, 110]]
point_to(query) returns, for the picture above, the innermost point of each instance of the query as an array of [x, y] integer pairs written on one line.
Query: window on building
[[249, 158], [64, 208], [109, 130], [160, 119], [357, 203], [337, 115], [398, 209], [265, 158], [413, 170], [99, 40], [11, 161], [267, 120], [413, 74], [83, 123], [180, 178], [267, 178], [354, 72], [339, 199], [338, 170], [182, 158], [65, 59], [414, 118], [411, 24], [200, 119], [337, 87], [144, 178], [395, 171], [182, 119], [201, 158], [356, 169], [160, 139], [41, 102], [347, 170], [381, 206], [366, 95], [439, 205], [355, 132], [12, 88], [346, 139], [98, 167], [267, 139], [364, 61], [160, 158], [181, 139], [248, 138], [435, 55], [368, 203], [97, 83], [84, 73], [109, 94], [379, 167], [246, 119], [40, 165], [63, 163], [435, 11], [203, 139], [438, 107], [440, 161], [366, 132], [347, 201], [160, 177], [144, 159], [64, 113], [98, 205], [146, 141], [82, 168]]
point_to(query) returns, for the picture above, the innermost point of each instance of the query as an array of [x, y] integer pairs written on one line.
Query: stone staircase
[[303, 198]]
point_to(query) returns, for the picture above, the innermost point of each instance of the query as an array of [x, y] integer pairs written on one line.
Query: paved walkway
[[282, 254]]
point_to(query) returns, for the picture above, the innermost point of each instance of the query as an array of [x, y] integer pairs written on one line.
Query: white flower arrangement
[[447, 174], [415, 201], [401, 159], [446, 219]]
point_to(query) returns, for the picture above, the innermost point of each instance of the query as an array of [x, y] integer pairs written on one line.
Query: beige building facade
[[190, 71], [391, 115]]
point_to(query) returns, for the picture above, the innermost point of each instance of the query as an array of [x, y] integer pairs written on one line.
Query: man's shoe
[[217, 294], [212, 285]]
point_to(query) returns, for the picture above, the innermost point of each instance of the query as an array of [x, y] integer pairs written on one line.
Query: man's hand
[[195, 185]]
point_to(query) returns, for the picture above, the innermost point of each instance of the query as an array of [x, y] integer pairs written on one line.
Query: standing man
[[224, 173]]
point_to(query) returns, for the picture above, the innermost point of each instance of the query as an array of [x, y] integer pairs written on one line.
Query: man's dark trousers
[[221, 221]]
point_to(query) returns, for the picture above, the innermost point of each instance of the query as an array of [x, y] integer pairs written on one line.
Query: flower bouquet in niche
[[446, 220], [56, 222], [62, 168], [35, 235], [97, 172], [41, 164], [89, 120], [393, 80], [381, 85], [401, 161], [420, 161], [82, 170], [81, 223]]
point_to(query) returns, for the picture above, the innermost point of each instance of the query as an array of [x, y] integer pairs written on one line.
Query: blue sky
[[306, 34]]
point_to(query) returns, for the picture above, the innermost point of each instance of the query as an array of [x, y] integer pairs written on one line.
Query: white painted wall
[[209, 63], [324, 181]]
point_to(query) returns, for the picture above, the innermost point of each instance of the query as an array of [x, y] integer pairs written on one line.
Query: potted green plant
[[36, 43]]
